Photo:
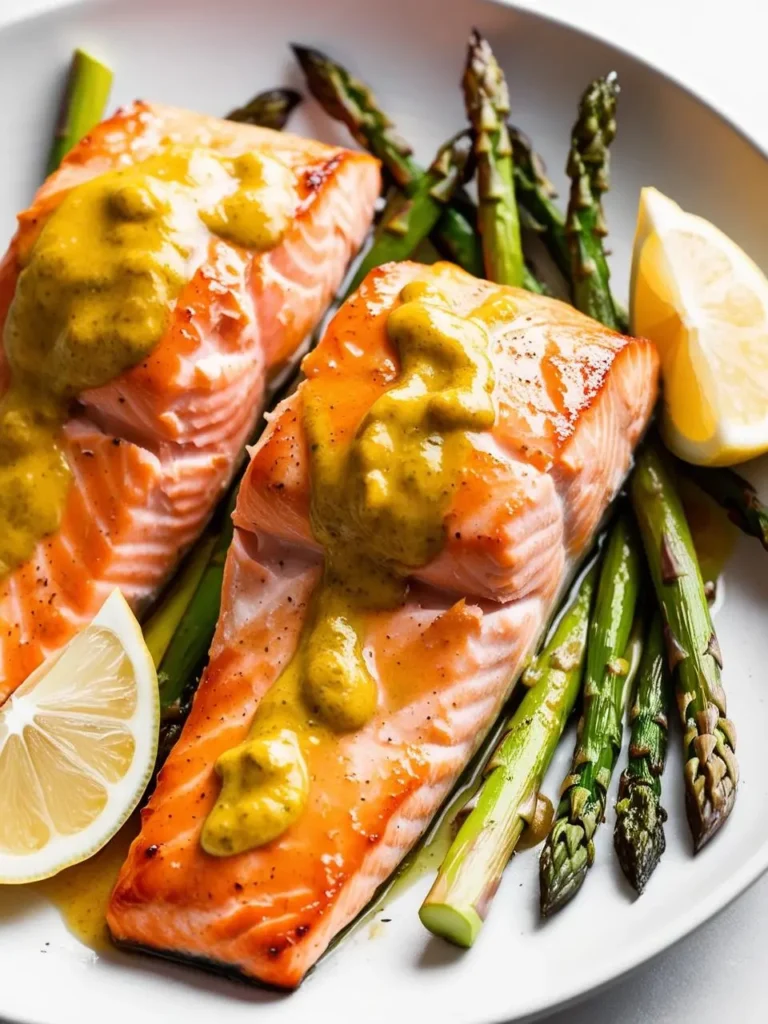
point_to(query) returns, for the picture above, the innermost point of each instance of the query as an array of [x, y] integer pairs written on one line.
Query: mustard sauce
[[81, 893], [94, 297], [378, 508]]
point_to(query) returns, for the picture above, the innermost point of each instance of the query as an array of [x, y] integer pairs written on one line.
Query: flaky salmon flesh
[[152, 452], [571, 401]]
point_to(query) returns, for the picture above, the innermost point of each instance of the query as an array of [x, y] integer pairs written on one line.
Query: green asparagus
[[86, 95], [736, 495], [588, 164], [270, 109], [569, 849], [535, 195], [411, 217], [639, 832], [165, 619], [190, 642], [709, 740], [459, 900], [347, 99], [487, 101]]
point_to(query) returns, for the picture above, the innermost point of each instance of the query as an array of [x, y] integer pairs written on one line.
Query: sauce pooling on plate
[[94, 297], [378, 509]]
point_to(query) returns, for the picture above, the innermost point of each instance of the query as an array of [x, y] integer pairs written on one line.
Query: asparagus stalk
[[410, 218], [487, 101], [569, 850], [459, 900], [588, 169], [639, 832], [165, 620], [191, 640], [709, 740], [270, 109], [736, 495], [347, 99], [535, 195], [85, 97]]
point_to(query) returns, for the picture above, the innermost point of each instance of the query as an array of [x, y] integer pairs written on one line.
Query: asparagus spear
[[709, 741], [270, 109], [411, 217], [588, 164], [487, 101], [459, 900], [190, 642], [639, 833], [736, 495], [569, 849], [87, 91], [347, 99], [535, 195], [164, 621]]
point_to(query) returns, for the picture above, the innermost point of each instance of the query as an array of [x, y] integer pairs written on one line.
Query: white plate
[[211, 55]]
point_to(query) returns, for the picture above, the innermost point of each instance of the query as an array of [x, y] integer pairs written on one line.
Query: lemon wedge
[[704, 303], [78, 742]]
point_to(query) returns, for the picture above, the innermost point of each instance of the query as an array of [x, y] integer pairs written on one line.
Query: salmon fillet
[[572, 400], [152, 452]]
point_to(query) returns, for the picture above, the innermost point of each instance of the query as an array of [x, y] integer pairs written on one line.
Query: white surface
[[714, 975]]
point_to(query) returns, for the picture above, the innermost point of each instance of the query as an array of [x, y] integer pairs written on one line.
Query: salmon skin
[[152, 452], [572, 400]]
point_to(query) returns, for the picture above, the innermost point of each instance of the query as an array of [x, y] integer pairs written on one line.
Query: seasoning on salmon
[[160, 277], [520, 491]]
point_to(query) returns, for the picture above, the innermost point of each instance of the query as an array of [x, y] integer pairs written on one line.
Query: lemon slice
[[78, 742], [704, 303]]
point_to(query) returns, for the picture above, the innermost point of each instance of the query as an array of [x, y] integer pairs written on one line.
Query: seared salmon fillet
[[571, 400], [152, 451]]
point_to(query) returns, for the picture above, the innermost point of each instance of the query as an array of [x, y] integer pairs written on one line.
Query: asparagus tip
[[307, 56], [639, 835], [562, 866], [707, 820], [270, 109], [483, 81]]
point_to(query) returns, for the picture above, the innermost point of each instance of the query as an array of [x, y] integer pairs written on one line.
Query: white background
[[716, 976]]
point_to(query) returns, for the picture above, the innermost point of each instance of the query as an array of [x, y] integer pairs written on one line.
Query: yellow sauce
[[378, 509], [94, 297], [81, 893]]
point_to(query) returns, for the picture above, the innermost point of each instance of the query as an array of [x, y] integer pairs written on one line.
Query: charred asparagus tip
[[309, 58], [270, 109], [639, 836]]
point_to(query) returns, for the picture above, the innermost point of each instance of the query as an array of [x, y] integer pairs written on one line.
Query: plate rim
[[721, 897]]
